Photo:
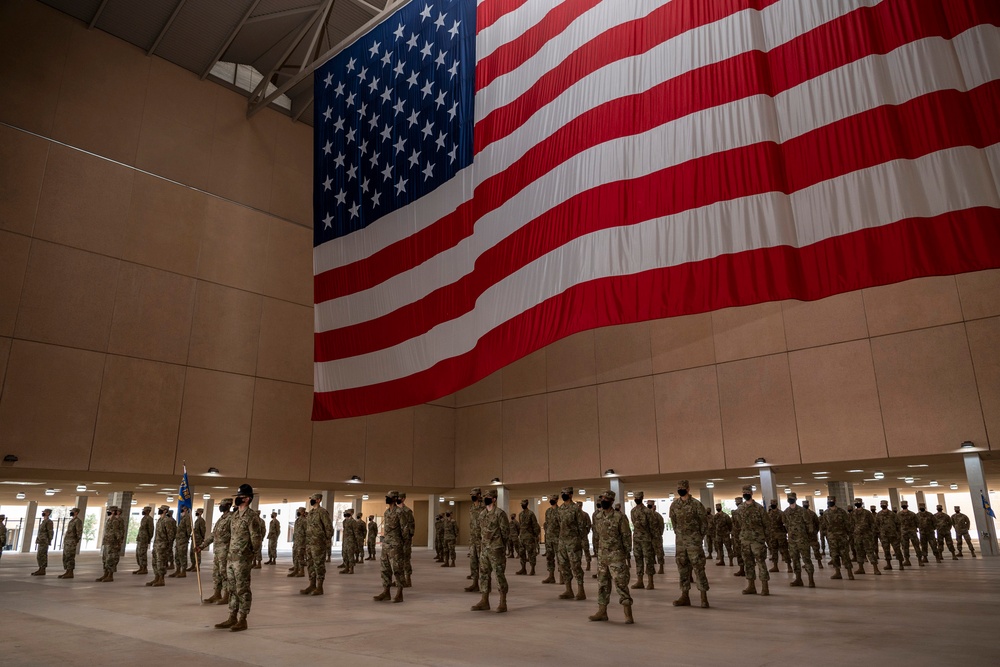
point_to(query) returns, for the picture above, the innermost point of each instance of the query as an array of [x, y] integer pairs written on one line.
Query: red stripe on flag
[[490, 11]]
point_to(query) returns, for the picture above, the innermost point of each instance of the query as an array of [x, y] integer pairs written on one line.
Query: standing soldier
[[709, 534], [658, 525], [184, 529], [273, 531], [585, 527], [613, 543], [409, 527], [943, 525], [723, 535], [962, 526], [515, 529], [864, 537], [813, 532], [822, 535], [449, 533], [838, 531], [908, 524], [392, 549], [887, 529], [163, 541], [642, 542], [777, 536], [44, 539], [360, 531], [197, 537], [926, 522], [114, 537], [493, 537], [551, 539], [753, 521], [258, 560], [246, 532], [438, 538], [3, 533], [142, 540], [220, 537], [71, 542], [319, 533], [347, 544], [690, 522], [737, 539], [528, 536], [477, 498], [372, 536], [570, 549], [299, 544], [799, 527]]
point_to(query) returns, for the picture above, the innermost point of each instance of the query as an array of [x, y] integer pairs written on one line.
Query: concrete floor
[[940, 614]]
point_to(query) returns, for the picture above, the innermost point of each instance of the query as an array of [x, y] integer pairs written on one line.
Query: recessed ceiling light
[[749, 477], [823, 472], [717, 479], [137, 485], [916, 465], [709, 485], [821, 477], [110, 482], [855, 470], [22, 483], [798, 483], [953, 487]]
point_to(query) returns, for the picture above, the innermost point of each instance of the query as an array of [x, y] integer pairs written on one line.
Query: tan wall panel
[[389, 451], [525, 377], [984, 342], [49, 405], [138, 418], [280, 431], [487, 390], [479, 444], [102, 95], [338, 449], [574, 438], [291, 194], [152, 316], [33, 44], [175, 150], [834, 319], [293, 146], [231, 125], [22, 168], [176, 93], [927, 388], [571, 362], [4, 355], [525, 440], [241, 174], [215, 422], [682, 342], [913, 304], [628, 426], [433, 446], [750, 331], [288, 272], [688, 423], [226, 329], [14, 250], [235, 245], [286, 342], [84, 202], [445, 401], [165, 224], [68, 297], [622, 352], [758, 418], [979, 293], [836, 402]]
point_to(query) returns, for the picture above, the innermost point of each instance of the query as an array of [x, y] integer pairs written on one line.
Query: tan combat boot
[[683, 601], [580, 594], [319, 588], [740, 572], [524, 570], [549, 579], [229, 622], [774, 567], [789, 565], [445, 564], [159, 581], [110, 577], [292, 572], [628, 614], [751, 588], [502, 607], [764, 590], [812, 582], [639, 584], [399, 594], [483, 604], [532, 573], [141, 570], [704, 599], [384, 595], [861, 568], [649, 581], [63, 575], [102, 577], [850, 573], [240, 624], [224, 599], [473, 587], [568, 593], [602, 613], [215, 597], [152, 581], [68, 575], [310, 588], [875, 567], [721, 561], [836, 574], [181, 574], [797, 581]]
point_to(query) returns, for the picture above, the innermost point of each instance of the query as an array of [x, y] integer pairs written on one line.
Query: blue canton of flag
[[184, 493], [393, 115], [986, 505]]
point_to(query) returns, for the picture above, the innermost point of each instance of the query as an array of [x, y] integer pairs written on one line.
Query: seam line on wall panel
[[975, 376], [180, 416], [722, 424], [97, 415], [157, 176], [795, 415]]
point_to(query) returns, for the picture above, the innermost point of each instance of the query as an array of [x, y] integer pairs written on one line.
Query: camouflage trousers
[[721, 544], [142, 555], [359, 551], [944, 537], [272, 548], [347, 552], [69, 555], [493, 560], [299, 554], [550, 556], [658, 550], [840, 553], [220, 564], [43, 555], [447, 549], [798, 550], [690, 559], [181, 554], [814, 545], [929, 539], [238, 571], [371, 547], [910, 537], [968, 540], [586, 550], [316, 560], [112, 553], [890, 542], [866, 548], [755, 553], [570, 560], [473, 561], [510, 549], [738, 547], [392, 565], [161, 558], [407, 555], [779, 545], [617, 570], [823, 543], [529, 551], [192, 556], [645, 561], [709, 544]]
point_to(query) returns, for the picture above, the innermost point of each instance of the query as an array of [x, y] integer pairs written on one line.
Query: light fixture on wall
[[170, 499], [81, 488], [354, 479], [953, 487], [787, 490], [908, 480], [20, 495], [760, 461], [933, 482], [440, 499], [495, 481], [545, 498], [753, 486], [879, 474], [135, 502], [610, 472], [10, 458], [709, 485], [968, 444], [50, 492], [583, 492], [364, 497], [451, 502], [817, 492], [207, 496], [630, 494], [213, 471]]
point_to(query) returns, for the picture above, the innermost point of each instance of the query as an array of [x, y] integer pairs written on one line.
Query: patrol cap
[[939, 508], [957, 508], [739, 500], [748, 488], [164, 508], [922, 506], [884, 503], [372, 516], [858, 500], [618, 506], [491, 493], [226, 501], [402, 494], [199, 510], [114, 508], [639, 495], [904, 503], [805, 502], [568, 490], [3, 516], [525, 501], [792, 496], [316, 496], [392, 494], [609, 494], [831, 499], [683, 484], [302, 509], [718, 506], [74, 509], [476, 491]]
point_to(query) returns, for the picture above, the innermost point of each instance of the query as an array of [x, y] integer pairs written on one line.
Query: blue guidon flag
[[184, 494]]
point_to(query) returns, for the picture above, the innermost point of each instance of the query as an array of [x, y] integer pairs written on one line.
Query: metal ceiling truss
[[166, 27], [229, 40]]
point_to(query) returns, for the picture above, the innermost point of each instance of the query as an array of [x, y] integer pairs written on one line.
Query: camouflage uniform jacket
[[372, 531], [515, 526], [813, 520], [450, 529], [347, 533], [114, 531], [183, 529], [961, 522], [44, 532], [246, 533], [797, 523], [360, 530], [753, 522], [687, 516], [776, 524], [392, 529], [494, 528], [319, 527], [570, 528], [659, 525], [585, 525], [273, 529], [552, 525], [723, 524], [838, 522], [408, 523], [942, 522], [74, 531], [908, 522], [474, 513], [709, 525], [529, 525], [299, 530], [145, 534], [199, 530], [613, 536], [887, 524], [166, 530], [220, 534], [863, 522], [642, 530]]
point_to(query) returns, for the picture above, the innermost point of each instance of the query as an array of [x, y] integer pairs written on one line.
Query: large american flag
[[492, 177]]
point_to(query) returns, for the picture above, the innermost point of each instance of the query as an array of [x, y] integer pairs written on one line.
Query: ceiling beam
[[301, 103], [370, 8], [286, 12], [166, 26], [97, 14], [229, 40]]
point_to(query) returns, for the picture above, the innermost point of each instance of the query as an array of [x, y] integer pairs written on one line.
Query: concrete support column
[[843, 491], [894, 499], [978, 490], [255, 503], [708, 498], [615, 484], [434, 507], [209, 512], [768, 487], [28, 527], [941, 502], [503, 497], [81, 504], [920, 499]]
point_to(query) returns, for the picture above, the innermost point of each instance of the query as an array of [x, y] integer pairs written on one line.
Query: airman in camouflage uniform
[[515, 529], [299, 544], [392, 549], [908, 524], [71, 542], [587, 526], [163, 542], [360, 532], [962, 526], [114, 537], [613, 546], [813, 532], [246, 533], [438, 537], [258, 558], [887, 529], [737, 542], [449, 532], [799, 527], [658, 526], [723, 525], [43, 540], [3, 533], [197, 537], [184, 529], [690, 521], [822, 534], [593, 523], [943, 525], [551, 527], [838, 531], [273, 532], [753, 522], [777, 537], [927, 537], [348, 546], [570, 547], [642, 542], [709, 533], [372, 536], [142, 541], [220, 537], [494, 533], [528, 534], [409, 527], [476, 495], [864, 537], [319, 533]]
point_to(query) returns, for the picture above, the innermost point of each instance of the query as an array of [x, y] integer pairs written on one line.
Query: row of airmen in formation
[[794, 534]]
